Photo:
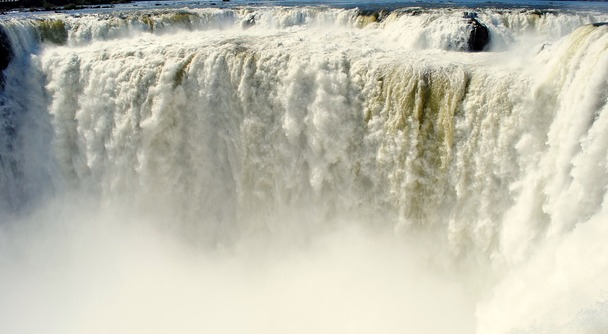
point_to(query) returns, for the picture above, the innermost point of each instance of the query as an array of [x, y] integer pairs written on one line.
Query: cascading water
[[303, 170]]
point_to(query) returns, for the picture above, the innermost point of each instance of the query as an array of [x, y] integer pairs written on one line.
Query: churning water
[[268, 169]]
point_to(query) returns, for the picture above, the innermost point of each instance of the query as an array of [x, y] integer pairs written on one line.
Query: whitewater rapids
[[304, 170]]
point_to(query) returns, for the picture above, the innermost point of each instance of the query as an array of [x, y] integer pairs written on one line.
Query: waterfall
[[240, 126]]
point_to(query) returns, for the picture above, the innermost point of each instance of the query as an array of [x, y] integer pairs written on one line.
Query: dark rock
[[249, 22], [543, 12], [375, 15], [479, 35], [469, 15], [600, 24], [6, 54], [537, 12]]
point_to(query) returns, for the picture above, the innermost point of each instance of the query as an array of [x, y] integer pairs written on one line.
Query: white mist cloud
[[85, 271]]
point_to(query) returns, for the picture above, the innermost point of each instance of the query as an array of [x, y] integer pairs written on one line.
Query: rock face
[[479, 35], [6, 54], [249, 22]]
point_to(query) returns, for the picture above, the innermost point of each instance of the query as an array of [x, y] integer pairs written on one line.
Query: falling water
[[304, 170]]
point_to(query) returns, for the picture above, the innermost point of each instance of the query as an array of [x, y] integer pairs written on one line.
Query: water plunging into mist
[[303, 170]]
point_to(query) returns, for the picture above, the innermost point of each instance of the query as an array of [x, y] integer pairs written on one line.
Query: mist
[[73, 268]]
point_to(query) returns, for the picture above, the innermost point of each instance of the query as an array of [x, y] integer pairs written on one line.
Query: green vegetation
[[53, 31], [181, 71]]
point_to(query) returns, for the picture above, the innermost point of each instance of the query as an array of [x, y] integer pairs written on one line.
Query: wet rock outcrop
[[6, 54], [479, 35]]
